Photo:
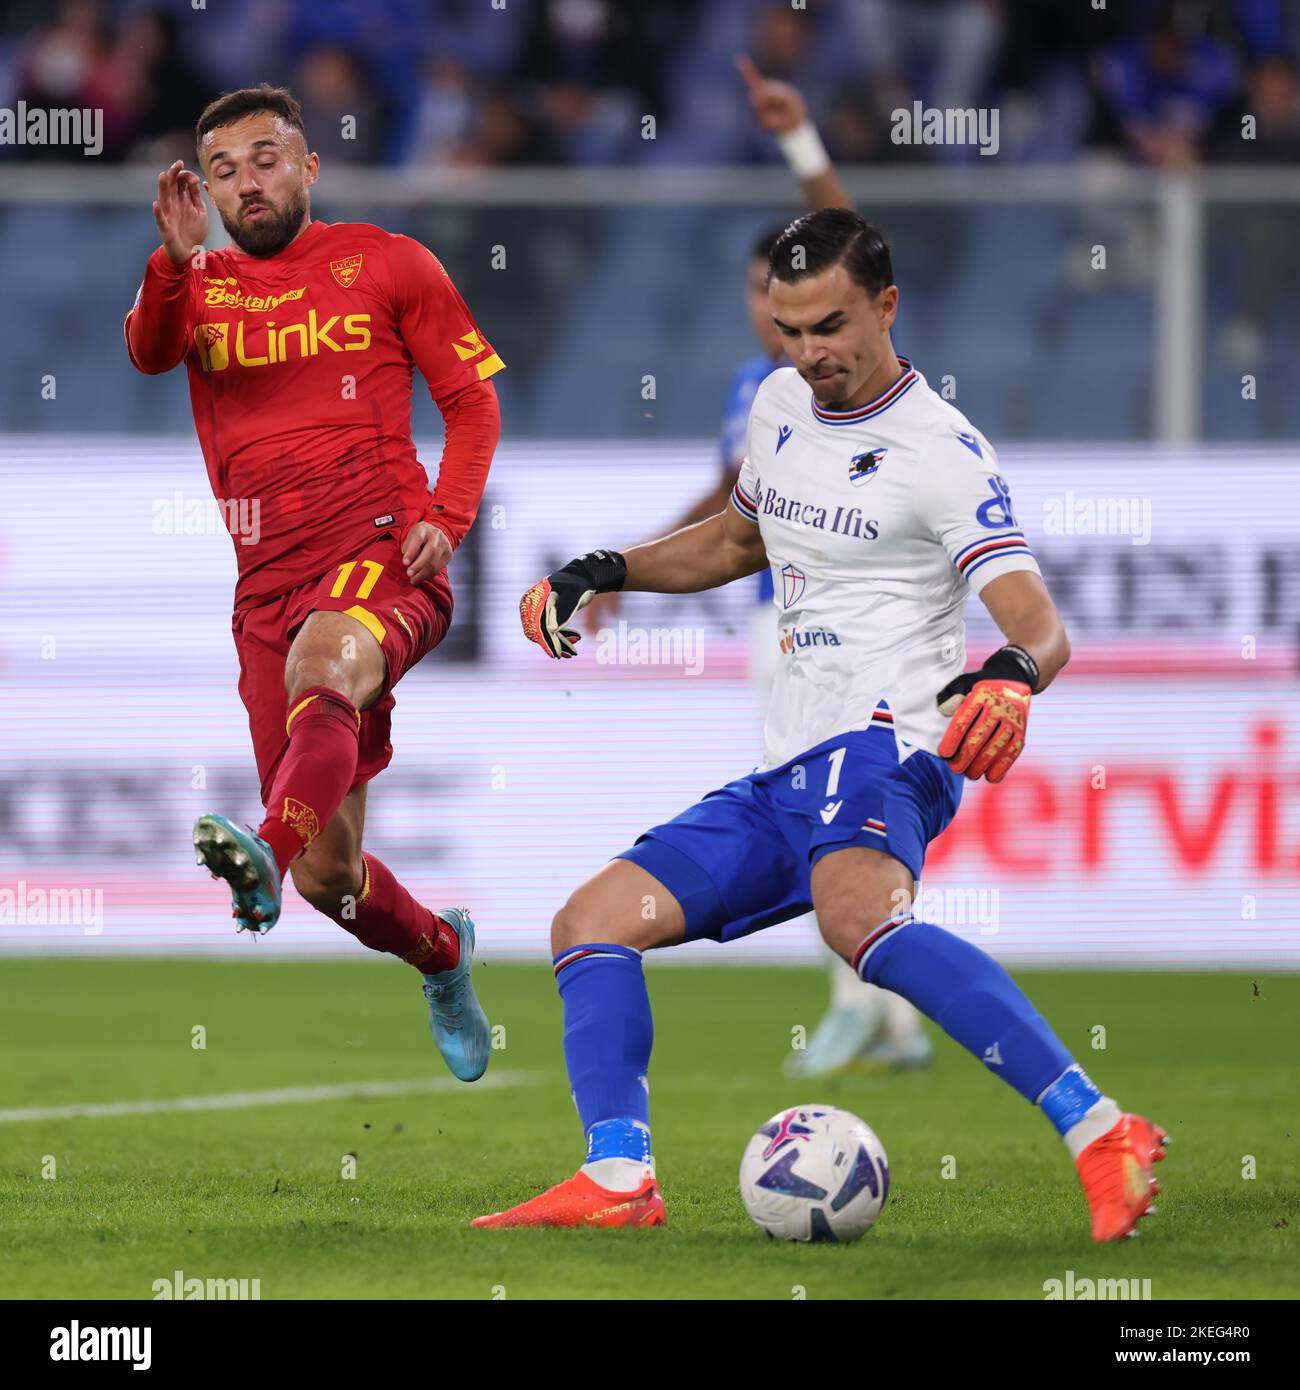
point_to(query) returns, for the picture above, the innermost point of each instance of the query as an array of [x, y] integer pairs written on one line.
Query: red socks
[[387, 918], [313, 778], [315, 773]]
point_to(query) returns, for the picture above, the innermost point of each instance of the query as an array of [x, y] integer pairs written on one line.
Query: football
[[814, 1173]]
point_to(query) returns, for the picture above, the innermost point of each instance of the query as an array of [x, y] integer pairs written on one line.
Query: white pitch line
[[284, 1095]]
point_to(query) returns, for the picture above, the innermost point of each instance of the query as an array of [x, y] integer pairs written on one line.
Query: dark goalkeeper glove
[[547, 608], [989, 711]]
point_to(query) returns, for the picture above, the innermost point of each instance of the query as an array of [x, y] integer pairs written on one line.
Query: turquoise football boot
[[245, 861], [841, 1036], [456, 1018], [845, 1041]]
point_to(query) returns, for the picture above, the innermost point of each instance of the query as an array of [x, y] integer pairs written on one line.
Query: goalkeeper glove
[[989, 711], [552, 602]]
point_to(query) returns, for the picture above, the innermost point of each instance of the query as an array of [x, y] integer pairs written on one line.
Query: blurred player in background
[[886, 509], [300, 340], [866, 1028]]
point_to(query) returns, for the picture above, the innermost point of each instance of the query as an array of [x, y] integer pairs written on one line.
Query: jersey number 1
[[837, 762]]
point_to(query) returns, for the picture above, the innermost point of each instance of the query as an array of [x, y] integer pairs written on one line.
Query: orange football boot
[[1117, 1175], [578, 1201]]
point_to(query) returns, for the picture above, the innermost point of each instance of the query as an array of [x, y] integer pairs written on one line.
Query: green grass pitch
[[94, 1207]]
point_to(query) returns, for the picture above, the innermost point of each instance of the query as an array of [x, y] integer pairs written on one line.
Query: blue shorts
[[742, 859]]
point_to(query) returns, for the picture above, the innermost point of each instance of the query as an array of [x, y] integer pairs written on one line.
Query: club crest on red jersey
[[346, 270]]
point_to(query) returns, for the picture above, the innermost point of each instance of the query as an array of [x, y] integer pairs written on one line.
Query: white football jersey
[[878, 523]]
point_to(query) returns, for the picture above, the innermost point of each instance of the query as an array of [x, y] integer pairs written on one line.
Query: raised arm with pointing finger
[[782, 111]]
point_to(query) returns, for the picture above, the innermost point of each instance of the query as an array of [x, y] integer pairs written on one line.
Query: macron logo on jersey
[[782, 434], [971, 443]]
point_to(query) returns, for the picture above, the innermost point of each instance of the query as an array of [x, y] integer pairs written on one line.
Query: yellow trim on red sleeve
[[490, 366], [473, 345]]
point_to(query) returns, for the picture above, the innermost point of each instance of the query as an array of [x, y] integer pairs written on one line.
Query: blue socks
[[608, 1034], [1069, 1098], [1078, 1109], [970, 996], [975, 1001]]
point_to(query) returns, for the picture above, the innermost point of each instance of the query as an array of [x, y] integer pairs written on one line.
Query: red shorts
[[408, 619]]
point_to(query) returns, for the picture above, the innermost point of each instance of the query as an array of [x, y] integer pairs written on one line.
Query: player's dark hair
[[247, 101], [833, 236]]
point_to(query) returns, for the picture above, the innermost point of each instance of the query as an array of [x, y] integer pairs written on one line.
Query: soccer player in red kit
[[300, 341]]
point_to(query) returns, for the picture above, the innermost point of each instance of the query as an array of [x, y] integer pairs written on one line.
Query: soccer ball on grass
[[814, 1173]]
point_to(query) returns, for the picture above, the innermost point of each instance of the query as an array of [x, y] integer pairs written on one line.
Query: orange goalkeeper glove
[[989, 711], [550, 605]]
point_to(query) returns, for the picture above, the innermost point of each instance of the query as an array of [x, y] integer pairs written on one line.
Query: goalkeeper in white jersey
[[879, 508]]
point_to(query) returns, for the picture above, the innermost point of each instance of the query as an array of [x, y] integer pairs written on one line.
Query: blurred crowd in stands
[[570, 82]]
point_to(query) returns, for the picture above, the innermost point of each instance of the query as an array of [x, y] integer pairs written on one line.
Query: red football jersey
[[300, 369]]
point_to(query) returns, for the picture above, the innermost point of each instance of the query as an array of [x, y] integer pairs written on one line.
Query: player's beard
[[269, 235]]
